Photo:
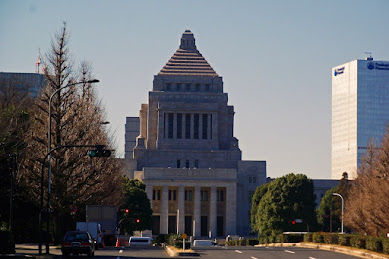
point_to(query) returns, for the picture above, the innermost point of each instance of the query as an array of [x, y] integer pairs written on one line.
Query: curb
[[173, 253], [339, 249]]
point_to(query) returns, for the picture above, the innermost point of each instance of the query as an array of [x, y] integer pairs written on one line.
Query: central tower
[[186, 152]]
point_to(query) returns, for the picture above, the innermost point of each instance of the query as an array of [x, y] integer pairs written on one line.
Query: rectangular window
[[250, 179], [254, 179], [174, 195], [178, 87], [197, 87], [221, 195], [205, 126], [170, 125], [153, 195], [205, 195], [201, 196], [168, 87], [218, 195], [207, 87], [187, 126], [178, 163], [196, 164], [170, 195], [186, 195], [187, 87], [196, 126], [210, 134], [187, 163], [159, 195], [179, 125], [190, 195]]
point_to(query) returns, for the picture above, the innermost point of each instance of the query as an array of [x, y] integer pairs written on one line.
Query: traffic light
[[137, 220], [293, 222], [126, 211], [99, 152]]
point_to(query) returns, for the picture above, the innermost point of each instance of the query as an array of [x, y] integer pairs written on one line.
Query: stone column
[[231, 209], [164, 210], [181, 209], [213, 212], [191, 126], [197, 212]]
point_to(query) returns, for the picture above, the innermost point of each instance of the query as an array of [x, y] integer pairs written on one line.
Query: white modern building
[[360, 111]]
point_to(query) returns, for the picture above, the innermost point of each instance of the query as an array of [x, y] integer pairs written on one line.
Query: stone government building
[[182, 146]]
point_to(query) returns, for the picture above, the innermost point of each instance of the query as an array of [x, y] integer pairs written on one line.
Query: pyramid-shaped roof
[[187, 60]]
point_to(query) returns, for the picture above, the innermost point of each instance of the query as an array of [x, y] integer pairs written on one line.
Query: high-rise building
[[186, 152], [360, 111]]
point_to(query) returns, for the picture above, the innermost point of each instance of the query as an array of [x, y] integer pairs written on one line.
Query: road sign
[[184, 236]]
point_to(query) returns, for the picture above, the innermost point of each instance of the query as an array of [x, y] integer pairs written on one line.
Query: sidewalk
[[32, 251]]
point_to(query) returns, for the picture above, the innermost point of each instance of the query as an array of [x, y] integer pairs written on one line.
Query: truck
[[106, 216], [94, 228]]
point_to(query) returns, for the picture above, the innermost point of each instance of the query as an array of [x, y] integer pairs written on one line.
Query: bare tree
[[76, 120], [367, 204]]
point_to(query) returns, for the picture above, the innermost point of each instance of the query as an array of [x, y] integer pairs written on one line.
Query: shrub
[[374, 244], [385, 246], [358, 242], [331, 238], [253, 242], [7, 242], [318, 237], [162, 238], [294, 238], [344, 240], [308, 237]]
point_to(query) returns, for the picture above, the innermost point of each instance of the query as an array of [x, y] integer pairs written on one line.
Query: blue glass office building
[[360, 111]]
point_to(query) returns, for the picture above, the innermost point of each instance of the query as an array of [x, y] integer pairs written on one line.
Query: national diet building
[[182, 147]]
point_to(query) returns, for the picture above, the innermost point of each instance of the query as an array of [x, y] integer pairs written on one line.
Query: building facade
[[360, 112], [31, 83], [186, 152]]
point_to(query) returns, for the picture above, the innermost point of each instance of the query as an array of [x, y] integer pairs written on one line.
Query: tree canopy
[[139, 206], [284, 200]]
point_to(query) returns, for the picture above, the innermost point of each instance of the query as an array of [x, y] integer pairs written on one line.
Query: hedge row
[[243, 242], [375, 244]]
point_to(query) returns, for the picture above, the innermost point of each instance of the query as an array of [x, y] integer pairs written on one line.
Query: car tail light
[[85, 244], [66, 244]]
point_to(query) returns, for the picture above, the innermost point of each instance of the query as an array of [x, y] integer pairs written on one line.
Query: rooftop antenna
[[368, 56], [38, 62]]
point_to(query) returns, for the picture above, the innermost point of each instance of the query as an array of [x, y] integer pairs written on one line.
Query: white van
[[140, 241]]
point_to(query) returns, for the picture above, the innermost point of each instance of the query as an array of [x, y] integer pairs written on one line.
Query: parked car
[[140, 241], [78, 242]]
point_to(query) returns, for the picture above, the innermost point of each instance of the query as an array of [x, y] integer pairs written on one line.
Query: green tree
[[135, 199], [288, 198], [259, 193]]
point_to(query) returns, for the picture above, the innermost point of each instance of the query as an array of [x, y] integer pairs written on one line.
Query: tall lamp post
[[49, 148], [337, 194]]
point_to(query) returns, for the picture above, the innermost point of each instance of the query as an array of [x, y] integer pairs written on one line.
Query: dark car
[[78, 242]]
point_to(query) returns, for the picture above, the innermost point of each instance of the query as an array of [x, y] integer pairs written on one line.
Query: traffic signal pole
[[48, 195]]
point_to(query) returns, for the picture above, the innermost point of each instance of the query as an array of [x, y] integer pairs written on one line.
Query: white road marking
[[120, 251], [252, 257], [312, 257], [288, 251], [240, 252]]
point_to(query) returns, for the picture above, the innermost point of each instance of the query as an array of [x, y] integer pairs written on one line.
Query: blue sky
[[275, 58]]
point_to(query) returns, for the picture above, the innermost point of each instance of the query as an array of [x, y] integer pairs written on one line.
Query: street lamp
[[337, 194], [49, 148]]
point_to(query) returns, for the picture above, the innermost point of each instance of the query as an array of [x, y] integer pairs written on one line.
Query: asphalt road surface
[[208, 252]]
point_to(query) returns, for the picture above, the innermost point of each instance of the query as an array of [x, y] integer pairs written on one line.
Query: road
[[209, 253]]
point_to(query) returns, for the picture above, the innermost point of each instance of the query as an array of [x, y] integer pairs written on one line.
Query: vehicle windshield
[[74, 236]]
